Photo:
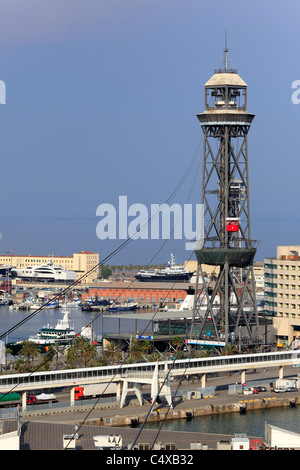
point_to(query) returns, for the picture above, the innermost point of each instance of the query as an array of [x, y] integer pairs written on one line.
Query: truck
[[286, 383], [41, 399], [95, 390], [9, 400]]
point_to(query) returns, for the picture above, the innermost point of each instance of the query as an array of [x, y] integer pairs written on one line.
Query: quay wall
[[193, 411]]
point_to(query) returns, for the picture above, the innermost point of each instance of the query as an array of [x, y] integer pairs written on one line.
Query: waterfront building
[[144, 293], [282, 293], [81, 263]]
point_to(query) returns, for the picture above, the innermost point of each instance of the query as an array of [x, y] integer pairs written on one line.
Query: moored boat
[[169, 274], [62, 334], [44, 272], [44, 305], [127, 306]]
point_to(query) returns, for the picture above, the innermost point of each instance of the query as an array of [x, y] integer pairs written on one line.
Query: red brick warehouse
[[139, 292]]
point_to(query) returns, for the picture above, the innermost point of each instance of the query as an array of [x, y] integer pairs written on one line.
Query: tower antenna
[[225, 51], [226, 63]]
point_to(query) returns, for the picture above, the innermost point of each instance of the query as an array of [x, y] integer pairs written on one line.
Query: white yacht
[[44, 272], [169, 274]]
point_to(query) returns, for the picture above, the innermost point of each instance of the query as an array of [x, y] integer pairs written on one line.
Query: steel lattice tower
[[230, 291]]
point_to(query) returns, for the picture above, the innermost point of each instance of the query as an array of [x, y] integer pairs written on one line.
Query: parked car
[[292, 389], [261, 389], [279, 390]]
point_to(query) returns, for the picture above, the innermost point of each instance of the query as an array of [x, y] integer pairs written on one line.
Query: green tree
[[20, 365], [106, 272], [229, 349], [30, 350], [112, 352], [176, 342], [7, 352], [136, 350], [206, 353], [147, 346], [81, 352], [88, 352], [156, 356]]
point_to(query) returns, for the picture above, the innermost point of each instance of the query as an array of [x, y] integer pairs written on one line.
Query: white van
[[279, 389]]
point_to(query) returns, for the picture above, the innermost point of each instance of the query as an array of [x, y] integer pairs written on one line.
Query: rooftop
[[225, 78], [49, 436]]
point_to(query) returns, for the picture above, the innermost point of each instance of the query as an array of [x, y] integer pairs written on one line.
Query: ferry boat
[[61, 333], [44, 272], [169, 274]]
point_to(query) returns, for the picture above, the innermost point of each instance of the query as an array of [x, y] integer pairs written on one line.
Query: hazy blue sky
[[102, 97]]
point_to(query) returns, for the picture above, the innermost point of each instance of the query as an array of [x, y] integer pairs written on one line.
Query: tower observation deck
[[227, 245]]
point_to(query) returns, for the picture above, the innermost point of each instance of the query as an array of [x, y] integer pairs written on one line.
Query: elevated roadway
[[116, 373]]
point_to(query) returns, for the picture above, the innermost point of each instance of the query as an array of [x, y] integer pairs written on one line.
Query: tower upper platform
[[225, 78], [225, 100]]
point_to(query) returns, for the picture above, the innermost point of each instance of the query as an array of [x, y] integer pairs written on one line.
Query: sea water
[[252, 423], [78, 319]]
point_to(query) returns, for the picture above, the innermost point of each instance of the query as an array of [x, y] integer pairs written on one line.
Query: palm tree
[[20, 365], [156, 356], [81, 351], [229, 349], [147, 346], [30, 350], [71, 356], [102, 361], [113, 352], [206, 353], [136, 349], [176, 342], [7, 352], [88, 351]]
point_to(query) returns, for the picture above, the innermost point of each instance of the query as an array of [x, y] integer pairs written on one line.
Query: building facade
[[82, 263], [139, 292], [282, 293]]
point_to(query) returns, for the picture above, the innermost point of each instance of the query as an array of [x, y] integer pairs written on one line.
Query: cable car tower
[[230, 307]]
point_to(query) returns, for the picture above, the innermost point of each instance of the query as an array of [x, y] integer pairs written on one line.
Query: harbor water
[[252, 423], [78, 318]]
